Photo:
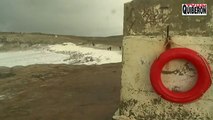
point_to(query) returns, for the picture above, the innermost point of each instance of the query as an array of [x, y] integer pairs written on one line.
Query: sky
[[69, 17]]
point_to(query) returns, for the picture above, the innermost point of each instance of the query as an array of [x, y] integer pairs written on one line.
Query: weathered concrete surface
[[145, 25], [150, 17], [138, 99]]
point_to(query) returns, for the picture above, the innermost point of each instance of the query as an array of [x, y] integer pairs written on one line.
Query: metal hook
[[168, 38]]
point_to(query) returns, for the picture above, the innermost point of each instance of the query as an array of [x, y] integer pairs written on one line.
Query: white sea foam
[[86, 55], [67, 53]]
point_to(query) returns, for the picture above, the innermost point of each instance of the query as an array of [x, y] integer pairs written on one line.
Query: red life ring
[[203, 80]]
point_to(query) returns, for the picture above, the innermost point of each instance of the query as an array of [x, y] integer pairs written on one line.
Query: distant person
[[93, 44], [120, 47], [109, 48]]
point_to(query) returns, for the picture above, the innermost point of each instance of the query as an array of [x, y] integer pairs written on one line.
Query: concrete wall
[[144, 42], [150, 17]]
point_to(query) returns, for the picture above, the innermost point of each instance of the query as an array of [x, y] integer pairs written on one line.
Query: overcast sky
[[72, 17]]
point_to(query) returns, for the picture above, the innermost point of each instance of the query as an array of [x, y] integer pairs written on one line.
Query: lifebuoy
[[201, 65]]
